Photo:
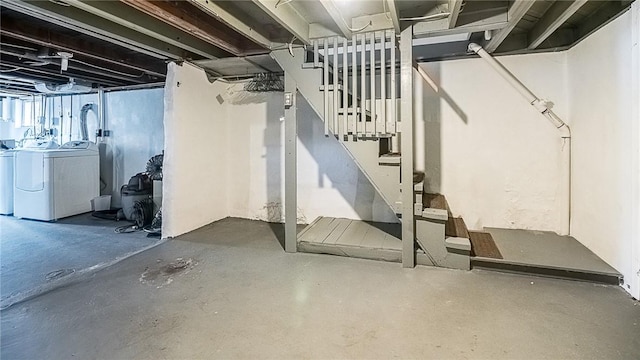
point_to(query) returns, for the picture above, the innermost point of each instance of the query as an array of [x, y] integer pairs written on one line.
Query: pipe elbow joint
[[474, 47], [565, 131]]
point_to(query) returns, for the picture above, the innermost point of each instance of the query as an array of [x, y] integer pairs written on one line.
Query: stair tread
[[435, 201], [482, 245], [455, 227], [391, 155], [418, 176], [389, 159]]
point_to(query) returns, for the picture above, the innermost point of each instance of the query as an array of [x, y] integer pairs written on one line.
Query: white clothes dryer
[[55, 183]]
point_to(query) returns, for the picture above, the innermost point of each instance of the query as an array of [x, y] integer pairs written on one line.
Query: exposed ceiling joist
[[122, 14], [337, 17], [21, 83], [557, 15], [374, 22], [5, 84], [74, 65], [516, 12], [393, 13], [13, 79], [602, 16], [238, 25], [454, 10], [95, 26], [185, 17], [287, 17], [26, 31], [441, 27], [44, 74]]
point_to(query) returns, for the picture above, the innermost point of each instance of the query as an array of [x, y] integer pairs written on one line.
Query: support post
[[290, 170], [406, 147], [634, 282]]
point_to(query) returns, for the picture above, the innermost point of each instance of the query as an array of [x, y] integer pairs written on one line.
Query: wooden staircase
[[352, 84], [336, 77]]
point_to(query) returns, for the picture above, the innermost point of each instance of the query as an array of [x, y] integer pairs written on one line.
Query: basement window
[[25, 111]]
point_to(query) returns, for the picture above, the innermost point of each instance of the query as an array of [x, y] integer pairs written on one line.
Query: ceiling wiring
[[359, 29], [15, 68], [427, 17], [282, 2], [110, 70]]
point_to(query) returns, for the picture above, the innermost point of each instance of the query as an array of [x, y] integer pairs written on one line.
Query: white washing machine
[[6, 172], [55, 183]]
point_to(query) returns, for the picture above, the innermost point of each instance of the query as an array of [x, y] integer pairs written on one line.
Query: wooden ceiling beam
[[95, 26], [27, 32], [336, 16], [216, 11], [608, 11], [121, 14], [557, 15], [454, 11], [394, 14], [516, 12], [44, 74], [189, 19], [287, 17], [74, 66], [440, 27]]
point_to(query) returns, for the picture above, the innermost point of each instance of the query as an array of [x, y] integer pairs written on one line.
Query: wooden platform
[[530, 252], [546, 254], [353, 238]]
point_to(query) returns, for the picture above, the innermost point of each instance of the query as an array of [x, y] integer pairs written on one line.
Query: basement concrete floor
[[228, 290], [37, 256]]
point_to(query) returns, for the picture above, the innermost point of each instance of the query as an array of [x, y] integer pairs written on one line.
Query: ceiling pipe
[[542, 106]]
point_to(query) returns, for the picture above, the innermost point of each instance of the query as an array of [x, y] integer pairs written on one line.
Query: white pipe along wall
[[483, 147], [543, 107]]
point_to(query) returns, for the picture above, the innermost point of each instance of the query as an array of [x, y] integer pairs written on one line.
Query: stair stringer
[[364, 153]]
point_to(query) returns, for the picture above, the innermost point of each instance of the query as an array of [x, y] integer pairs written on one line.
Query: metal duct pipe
[[543, 107], [83, 120]]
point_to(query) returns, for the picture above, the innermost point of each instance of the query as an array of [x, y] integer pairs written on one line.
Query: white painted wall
[[196, 152], [242, 174], [605, 138], [329, 182], [634, 280], [500, 153], [135, 120], [485, 148]]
